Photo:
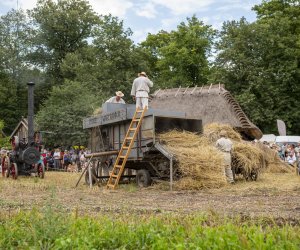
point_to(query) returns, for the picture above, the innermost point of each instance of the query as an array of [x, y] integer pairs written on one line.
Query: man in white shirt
[[117, 98], [225, 146], [140, 90]]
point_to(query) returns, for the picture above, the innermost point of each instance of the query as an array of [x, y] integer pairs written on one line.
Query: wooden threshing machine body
[[107, 132]]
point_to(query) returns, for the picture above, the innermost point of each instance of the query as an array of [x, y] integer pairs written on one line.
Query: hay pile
[[199, 163], [212, 132], [248, 158]]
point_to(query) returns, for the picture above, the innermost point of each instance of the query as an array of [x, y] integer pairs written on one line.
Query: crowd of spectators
[[290, 153], [66, 160], [71, 160]]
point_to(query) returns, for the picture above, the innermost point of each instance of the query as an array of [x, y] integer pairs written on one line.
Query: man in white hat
[[225, 145], [140, 90], [117, 98]]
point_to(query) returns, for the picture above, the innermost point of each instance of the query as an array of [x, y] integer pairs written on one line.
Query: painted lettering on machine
[[112, 117]]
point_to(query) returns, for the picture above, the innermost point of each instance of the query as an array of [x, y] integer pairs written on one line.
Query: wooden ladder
[[125, 150]]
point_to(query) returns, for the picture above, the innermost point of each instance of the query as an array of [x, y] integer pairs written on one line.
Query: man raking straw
[[225, 146]]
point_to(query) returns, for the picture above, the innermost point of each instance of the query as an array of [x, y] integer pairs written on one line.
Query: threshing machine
[[148, 159]]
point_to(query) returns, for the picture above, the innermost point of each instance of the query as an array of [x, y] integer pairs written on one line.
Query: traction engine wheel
[[14, 170], [5, 166], [143, 178]]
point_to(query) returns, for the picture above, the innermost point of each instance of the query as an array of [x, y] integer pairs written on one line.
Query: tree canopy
[[180, 57], [78, 59], [259, 62]]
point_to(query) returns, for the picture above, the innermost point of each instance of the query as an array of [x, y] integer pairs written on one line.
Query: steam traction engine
[[25, 159]]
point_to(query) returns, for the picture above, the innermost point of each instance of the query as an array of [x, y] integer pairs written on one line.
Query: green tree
[[259, 62], [180, 57], [4, 140], [109, 63], [60, 118], [60, 28], [8, 102], [14, 48]]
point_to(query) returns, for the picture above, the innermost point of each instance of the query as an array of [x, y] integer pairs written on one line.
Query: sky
[[151, 16]]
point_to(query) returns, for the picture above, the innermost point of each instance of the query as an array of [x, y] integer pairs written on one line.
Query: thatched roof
[[210, 103]]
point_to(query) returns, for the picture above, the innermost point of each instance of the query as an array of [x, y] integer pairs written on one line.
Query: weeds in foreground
[[49, 229]]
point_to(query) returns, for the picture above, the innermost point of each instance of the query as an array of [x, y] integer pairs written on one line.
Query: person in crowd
[[117, 98], [66, 160], [225, 145], [50, 161], [44, 155], [140, 90], [3, 154], [82, 159], [56, 156], [74, 157], [291, 159], [62, 152]]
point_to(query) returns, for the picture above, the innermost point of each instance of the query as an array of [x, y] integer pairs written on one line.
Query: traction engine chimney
[[30, 112]]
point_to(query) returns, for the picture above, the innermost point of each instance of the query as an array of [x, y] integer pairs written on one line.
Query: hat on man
[[143, 73], [119, 93], [223, 133]]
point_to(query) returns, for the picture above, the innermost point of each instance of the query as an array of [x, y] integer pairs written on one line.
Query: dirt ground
[[273, 195]]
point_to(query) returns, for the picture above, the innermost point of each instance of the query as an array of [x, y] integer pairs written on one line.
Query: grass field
[[52, 214]]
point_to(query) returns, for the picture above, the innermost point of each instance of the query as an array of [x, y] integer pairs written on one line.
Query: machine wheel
[[41, 170], [13, 171], [101, 168], [254, 175], [143, 178], [94, 176], [5, 166]]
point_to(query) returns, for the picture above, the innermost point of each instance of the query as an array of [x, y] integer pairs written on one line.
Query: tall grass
[[52, 230]]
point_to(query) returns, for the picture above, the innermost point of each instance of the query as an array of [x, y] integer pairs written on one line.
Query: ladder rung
[[114, 177]]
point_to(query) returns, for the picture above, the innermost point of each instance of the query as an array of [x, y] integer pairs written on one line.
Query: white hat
[[119, 93], [143, 73]]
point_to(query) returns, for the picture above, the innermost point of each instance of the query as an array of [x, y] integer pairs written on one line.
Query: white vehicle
[[290, 139], [268, 138]]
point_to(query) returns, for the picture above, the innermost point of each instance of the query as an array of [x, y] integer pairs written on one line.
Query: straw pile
[[248, 158], [200, 164], [212, 132]]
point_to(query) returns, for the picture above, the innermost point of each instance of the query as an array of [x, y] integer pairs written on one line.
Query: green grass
[[53, 230]]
